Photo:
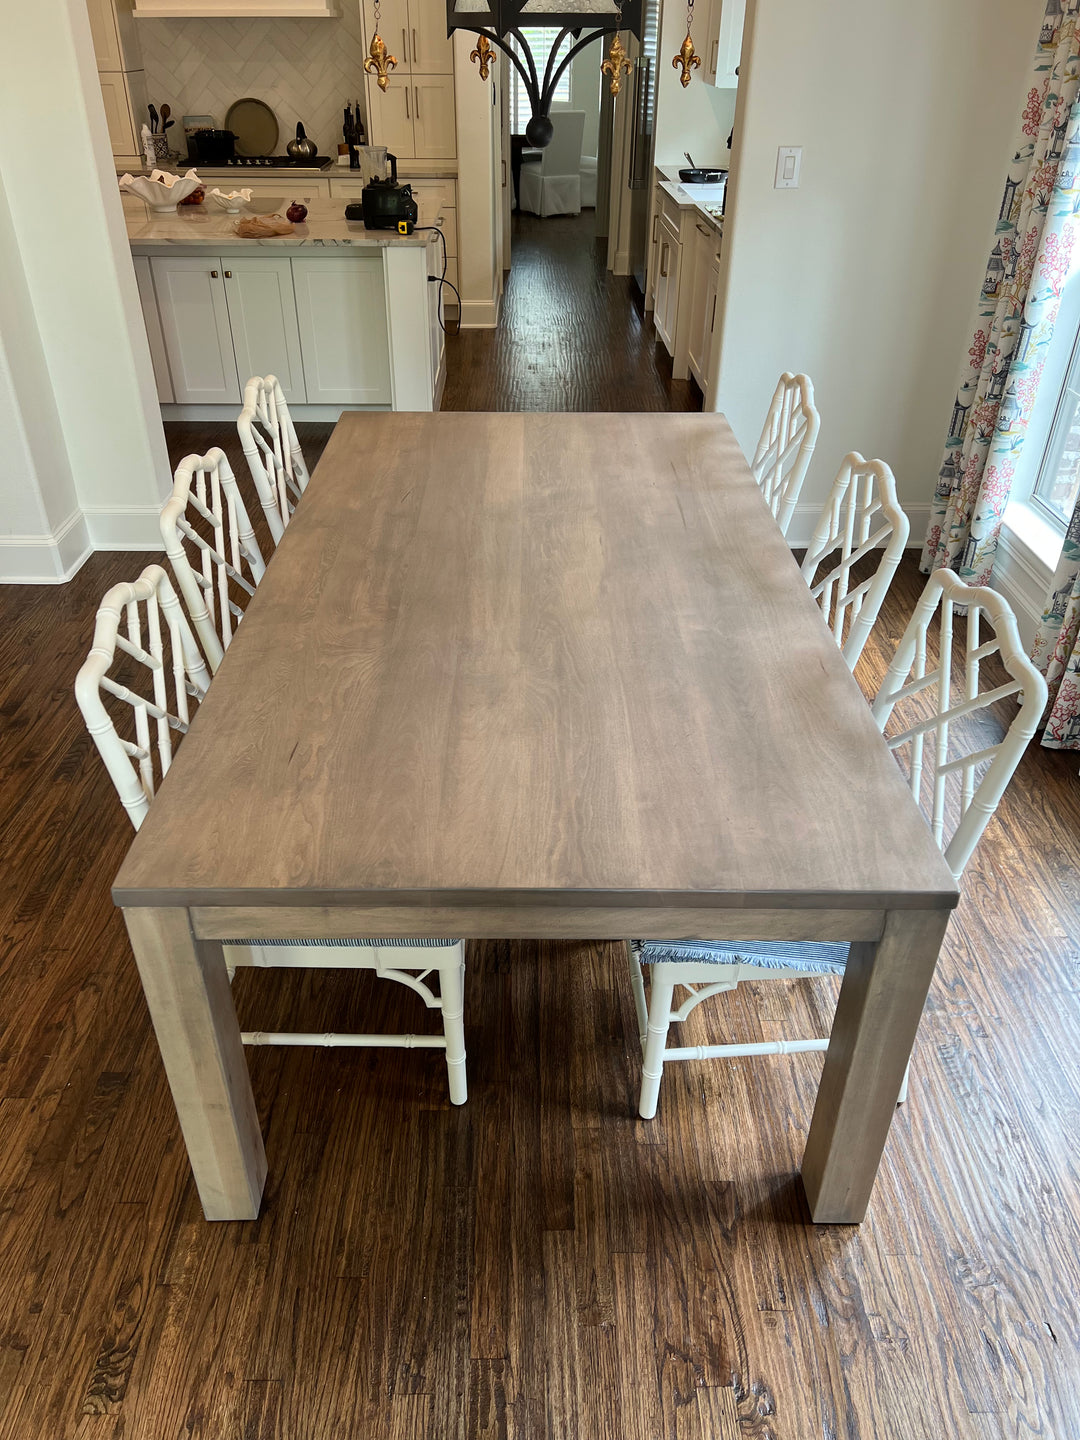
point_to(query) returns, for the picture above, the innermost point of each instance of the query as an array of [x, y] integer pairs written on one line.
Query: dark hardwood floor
[[571, 336], [539, 1263]]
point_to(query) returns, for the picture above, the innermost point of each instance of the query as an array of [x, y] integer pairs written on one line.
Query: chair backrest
[[942, 716], [205, 522], [860, 515], [563, 155], [272, 451], [786, 445], [140, 607]]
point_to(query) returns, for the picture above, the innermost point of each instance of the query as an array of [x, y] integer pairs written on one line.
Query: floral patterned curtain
[[1018, 307], [1057, 646]]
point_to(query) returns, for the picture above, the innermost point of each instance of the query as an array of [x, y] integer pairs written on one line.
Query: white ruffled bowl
[[231, 202], [160, 190]]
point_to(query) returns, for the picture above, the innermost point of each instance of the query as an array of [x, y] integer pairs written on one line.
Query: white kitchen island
[[346, 318]]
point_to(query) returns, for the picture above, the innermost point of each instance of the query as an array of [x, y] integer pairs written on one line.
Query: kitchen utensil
[[372, 163], [191, 124], [213, 147], [153, 119], [255, 126], [385, 205], [700, 176], [301, 148], [167, 124], [230, 201], [166, 111], [689, 159]]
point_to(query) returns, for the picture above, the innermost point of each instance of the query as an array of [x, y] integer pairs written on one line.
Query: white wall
[[478, 112], [698, 118], [585, 93], [71, 319], [867, 275]]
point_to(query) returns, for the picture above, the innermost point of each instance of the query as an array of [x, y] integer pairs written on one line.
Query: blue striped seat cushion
[[355, 944], [815, 957]]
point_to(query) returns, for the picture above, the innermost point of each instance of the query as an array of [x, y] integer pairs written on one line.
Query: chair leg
[[904, 1084], [652, 1069], [641, 1005], [452, 991]]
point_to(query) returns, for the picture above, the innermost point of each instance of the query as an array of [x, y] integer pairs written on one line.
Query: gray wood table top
[[522, 655]]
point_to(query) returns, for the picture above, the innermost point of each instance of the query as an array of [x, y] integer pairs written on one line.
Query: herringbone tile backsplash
[[304, 69]]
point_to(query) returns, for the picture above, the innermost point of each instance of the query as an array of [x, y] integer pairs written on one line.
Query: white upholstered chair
[[860, 516], [958, 791], [212, 549], [554, 186], [145, 623], [588, 181], [786, 445], [272, 451]]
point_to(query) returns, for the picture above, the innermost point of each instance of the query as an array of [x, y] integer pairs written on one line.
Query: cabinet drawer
[[281, 188], [670, 210]]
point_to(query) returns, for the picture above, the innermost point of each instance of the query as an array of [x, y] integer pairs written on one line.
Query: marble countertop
[[325, 227], [692, 197]]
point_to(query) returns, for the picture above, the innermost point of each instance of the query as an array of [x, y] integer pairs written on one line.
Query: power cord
[[441, 280]]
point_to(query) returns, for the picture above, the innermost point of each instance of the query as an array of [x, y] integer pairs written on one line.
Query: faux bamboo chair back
[[860, 515], [212, 549], [980, 766], [272, 451], [949, 723], [786, 445], [158, 638]]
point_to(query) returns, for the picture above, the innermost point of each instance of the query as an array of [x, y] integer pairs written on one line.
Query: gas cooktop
[[280, 162]]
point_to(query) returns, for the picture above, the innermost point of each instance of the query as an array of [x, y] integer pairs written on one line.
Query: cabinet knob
[[213, 274], [228, 274]]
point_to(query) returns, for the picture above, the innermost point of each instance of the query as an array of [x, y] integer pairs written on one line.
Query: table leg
[[187, 990], [881, 1000]]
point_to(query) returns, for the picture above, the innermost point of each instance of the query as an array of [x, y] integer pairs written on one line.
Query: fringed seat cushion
[[814, 957]]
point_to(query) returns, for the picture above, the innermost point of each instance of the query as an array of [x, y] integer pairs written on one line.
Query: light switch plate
[[788, 167]]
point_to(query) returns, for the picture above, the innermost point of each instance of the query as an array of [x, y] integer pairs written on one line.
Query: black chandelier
[[496, 22]]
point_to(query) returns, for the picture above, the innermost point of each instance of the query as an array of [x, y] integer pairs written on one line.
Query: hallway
[[571, 336]]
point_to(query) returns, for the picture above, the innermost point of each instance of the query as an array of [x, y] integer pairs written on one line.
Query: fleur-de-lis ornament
[[379, 60], [686, 56], [484, 54], [616, 65]]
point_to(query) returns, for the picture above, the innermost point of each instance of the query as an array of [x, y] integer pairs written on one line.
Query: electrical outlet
[[788, 167]]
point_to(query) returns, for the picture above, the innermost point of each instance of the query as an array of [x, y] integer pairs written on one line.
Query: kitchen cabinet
[[237, 9], [119, 114], [284, 188], [415, 33], [706, 277], [723, 45], [120, 74], [415, 118], [666, 293], [341, 310], [263, 321], [223, 320], [195, 322]]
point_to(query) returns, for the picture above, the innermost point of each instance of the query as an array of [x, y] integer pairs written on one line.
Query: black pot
[[213, 147]]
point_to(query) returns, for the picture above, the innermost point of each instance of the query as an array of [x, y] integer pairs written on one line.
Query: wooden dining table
[[534, 676]]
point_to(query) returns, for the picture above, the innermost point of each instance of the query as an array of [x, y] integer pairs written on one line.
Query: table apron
[[519, 922]]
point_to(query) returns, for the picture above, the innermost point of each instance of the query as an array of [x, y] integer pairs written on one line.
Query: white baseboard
[[1023, 578], [227, 413], [49, 559], [479, 314], [134, 527]]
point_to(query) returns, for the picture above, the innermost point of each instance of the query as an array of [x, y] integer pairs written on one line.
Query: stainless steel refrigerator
[[642, 139]]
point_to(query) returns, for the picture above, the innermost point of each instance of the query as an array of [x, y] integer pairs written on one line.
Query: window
[[540, 40], [1058, 478]]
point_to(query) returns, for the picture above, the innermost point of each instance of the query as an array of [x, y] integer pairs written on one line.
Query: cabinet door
[[725, 47], [118, 114], [433, 112], [394, 29], [341, 308], [699, 309], [195, 322], [390, 116], [431, 52], [105, 34], [712, 284], [262, 316], [152, 321], [667, 285]]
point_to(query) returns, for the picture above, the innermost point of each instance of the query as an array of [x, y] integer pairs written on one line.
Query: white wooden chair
[[272, 451], [212, 549], [863, 496], [170, 649], [980, 771], [786, 445]]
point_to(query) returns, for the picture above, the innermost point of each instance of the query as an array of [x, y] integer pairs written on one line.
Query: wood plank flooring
[[571, 336], [539, 1263]]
